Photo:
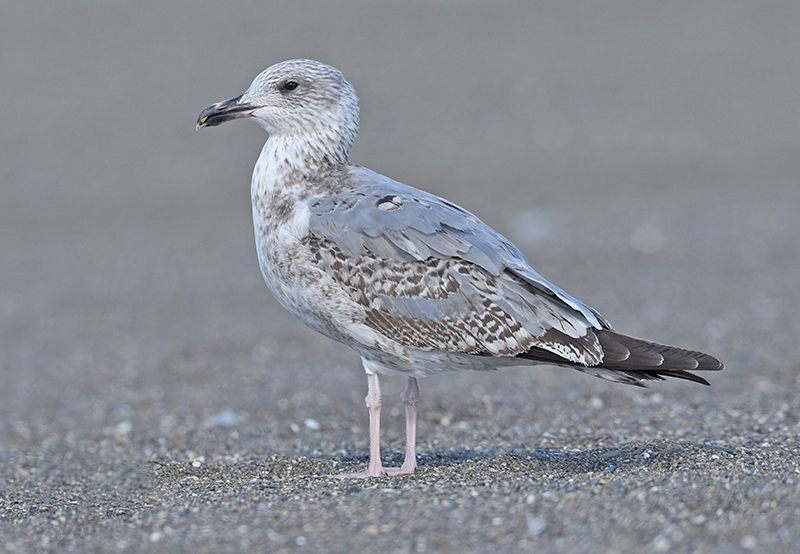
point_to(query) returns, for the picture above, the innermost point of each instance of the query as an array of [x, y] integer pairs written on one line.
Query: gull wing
[[432, 275]]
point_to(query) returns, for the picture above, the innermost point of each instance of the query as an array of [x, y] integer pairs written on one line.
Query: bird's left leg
[[410, 398]]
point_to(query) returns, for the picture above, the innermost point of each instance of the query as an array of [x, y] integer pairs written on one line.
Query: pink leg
[[410, 398], [373, 400], [374, 406]]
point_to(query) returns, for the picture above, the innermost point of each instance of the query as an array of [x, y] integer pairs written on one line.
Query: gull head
[[296, 100]]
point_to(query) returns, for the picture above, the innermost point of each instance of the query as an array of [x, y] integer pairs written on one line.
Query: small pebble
[[536, 526], [312, 424]]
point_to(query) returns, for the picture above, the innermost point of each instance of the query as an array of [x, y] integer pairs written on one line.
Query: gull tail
[[634, 361]]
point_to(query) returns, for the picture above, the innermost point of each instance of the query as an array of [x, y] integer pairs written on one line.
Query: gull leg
[[373, 400], [410, 398], [374, 406]]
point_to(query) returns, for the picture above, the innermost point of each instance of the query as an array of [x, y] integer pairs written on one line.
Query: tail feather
[[631, 360]]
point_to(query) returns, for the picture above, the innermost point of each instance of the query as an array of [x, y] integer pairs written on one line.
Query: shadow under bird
[[413, 283]]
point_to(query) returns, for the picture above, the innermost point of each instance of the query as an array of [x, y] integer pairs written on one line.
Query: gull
[[412, 282]]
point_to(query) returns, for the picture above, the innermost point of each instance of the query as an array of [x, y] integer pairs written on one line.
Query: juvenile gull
[[410, 281]]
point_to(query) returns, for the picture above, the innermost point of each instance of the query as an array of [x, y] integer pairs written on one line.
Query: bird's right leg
[[373, 400]]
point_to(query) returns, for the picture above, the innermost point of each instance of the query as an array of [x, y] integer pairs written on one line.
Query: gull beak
[[225, 111]]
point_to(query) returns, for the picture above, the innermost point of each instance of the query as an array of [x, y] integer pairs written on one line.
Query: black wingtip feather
[[637, 360]]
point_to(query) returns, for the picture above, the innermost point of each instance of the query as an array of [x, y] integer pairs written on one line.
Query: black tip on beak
[[225, 111]]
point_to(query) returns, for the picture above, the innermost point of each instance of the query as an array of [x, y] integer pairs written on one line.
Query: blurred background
[[644, 156]]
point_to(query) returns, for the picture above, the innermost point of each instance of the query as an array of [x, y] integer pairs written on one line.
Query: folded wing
[[433, 276]]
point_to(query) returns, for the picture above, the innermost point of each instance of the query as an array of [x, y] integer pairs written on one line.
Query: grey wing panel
[[392, 219], [592, 316]]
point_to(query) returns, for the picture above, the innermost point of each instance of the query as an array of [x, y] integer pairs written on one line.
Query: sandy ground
[[155, 398]]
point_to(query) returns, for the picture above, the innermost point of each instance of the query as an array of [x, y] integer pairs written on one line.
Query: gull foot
[[384, 472]]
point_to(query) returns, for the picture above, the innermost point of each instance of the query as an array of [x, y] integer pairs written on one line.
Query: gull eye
[[290, 85]]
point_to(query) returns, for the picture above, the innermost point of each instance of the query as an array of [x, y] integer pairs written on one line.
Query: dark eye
[[290, 85]]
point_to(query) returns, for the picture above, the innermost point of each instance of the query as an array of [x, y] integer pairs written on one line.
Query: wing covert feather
[[487, 298]]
